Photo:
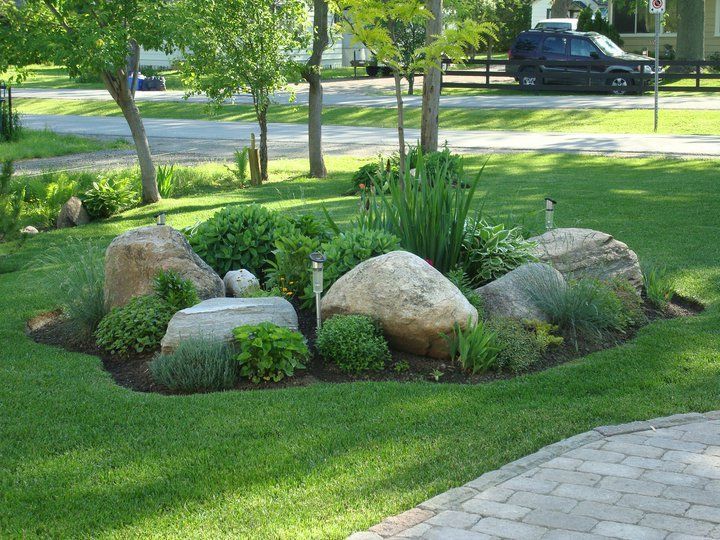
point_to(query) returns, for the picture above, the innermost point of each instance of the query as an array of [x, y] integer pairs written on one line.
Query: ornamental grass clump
[[354, 343], [658, 288], [196, 366], [475, 347]]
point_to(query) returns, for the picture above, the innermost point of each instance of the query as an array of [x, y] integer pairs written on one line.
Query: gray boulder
[[412, 300], [135, 257], [513, 295], [216, 319], [238, 282], [72, 214], [583, 252]]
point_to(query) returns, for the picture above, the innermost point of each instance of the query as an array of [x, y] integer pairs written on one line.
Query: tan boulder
[[72, 214], [412, 300], [135, 257]]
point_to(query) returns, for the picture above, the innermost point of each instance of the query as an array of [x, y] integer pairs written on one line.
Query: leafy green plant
[[586, 308], [519, 348], [239, 170], [11, 203], [268, 352], [436, 375], [428, 216], [289, 271], [195, 366], [347, 250], [545, 333], [374, 175], [137, 326], [459, 278], [108, 197], [658, 287], [475, 347], [236, 237], [353, 342], [443, 165], [78, 277], [166, 180], [179, 293], [491, 251], [401, 366], [632, 314], [259, 292]]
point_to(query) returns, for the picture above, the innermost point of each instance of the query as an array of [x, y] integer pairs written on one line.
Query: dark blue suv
[[611, 66]]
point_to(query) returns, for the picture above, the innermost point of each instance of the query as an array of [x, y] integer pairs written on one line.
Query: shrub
[[519, 348], [491, 251], [236, 237], [714, 57], [137, 326], [11, 204], [428, 216], [353, 342], [346, 251], [658, 289], [179, 293], [290, 269], [239, 170], [475, 347], [78, 278], [632, 314], [585, 308], [460, 279], [108, 197], [268, 352], [195, 366], [373, 175], [166, 180], [445, 166]]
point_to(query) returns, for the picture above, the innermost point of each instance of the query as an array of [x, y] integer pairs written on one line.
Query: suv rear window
[[528, 42], [554, 45]]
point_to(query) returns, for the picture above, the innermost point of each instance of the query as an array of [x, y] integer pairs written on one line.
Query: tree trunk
[[560, 9], [400, 122], [432, 82], [691, 30], [411, 84], [117, 85], [311, 74], [262, 120]]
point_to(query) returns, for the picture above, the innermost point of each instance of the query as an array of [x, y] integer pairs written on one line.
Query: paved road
[[356, 139], [342, 94], [655, 480]]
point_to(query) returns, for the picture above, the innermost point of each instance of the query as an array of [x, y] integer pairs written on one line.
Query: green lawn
[[82, 457], [40, 144], [678, 122]]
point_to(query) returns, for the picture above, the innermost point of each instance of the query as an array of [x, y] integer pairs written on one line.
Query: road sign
[[658, 6]]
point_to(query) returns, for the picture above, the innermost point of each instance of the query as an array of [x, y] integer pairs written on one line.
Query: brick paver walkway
[[654, 480]]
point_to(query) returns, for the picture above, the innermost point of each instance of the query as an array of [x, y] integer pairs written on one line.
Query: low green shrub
[[108, 197], [290, 271], [268, 352], [632, 314], [196, 366], [137, 326], [354, 343], [373, 175], [178, 292], [11, 204], [475, 348], [444, 165], [241, 236], [459, 278], [519, 348], [166, 180], [346, 251], [491, 251], [78, 277], [239, 170], [658, 288]]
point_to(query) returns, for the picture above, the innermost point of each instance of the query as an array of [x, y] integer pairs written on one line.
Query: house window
[[633, 17]]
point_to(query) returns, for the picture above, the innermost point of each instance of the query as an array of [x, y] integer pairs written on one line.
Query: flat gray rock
[[215, 319]]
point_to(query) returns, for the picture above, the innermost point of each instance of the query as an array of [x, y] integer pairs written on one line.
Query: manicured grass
[[678, 122], [82, 457], [41, 144]]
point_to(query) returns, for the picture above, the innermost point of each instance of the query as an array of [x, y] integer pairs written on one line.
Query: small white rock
[[29, 230], [237, 282]]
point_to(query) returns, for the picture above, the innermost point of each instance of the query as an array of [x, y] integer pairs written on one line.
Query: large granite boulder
[[135, 257], [512, 295], [412, 300], [238, 282], [584, 252], [72, 214], [215, 319]]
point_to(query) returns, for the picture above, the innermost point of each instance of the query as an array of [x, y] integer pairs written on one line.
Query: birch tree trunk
[[432, 81]]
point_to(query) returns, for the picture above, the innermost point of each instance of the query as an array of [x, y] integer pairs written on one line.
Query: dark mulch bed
[[132, 371]]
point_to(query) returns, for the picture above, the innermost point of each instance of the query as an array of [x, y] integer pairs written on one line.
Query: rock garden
[[419, 286]]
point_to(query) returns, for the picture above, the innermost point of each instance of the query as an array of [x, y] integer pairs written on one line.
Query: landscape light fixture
[[160, 219], [318, 260], [549, 213]]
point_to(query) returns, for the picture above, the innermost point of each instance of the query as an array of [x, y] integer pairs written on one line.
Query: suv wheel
[[529, 79], [620, 84]]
